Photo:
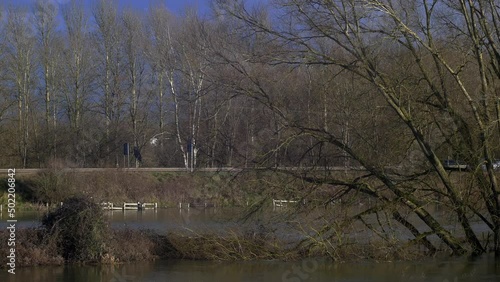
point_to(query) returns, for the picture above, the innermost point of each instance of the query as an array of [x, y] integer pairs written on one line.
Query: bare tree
[[6, 103], [78, 75], [134, 46], [192, 51], [441, 80], [108, 36], [45, 17], [20, 52], [161, 57], [45, 14], [179, 51]]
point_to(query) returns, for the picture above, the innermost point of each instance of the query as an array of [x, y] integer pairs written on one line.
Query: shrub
[[31, 248], [231, 246], [79, 229], [52, 186]]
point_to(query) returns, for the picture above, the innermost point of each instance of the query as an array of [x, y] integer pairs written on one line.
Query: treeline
[[396, 87], [77, 83], [194, 91]]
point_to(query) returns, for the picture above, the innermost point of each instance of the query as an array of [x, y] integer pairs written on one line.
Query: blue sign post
[[126, 153]]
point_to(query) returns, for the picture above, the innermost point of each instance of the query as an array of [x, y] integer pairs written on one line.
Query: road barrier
[[129, 206], [196, 205], [282, 203]]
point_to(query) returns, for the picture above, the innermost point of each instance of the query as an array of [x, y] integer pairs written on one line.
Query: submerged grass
[[37, 247], [231, 246]]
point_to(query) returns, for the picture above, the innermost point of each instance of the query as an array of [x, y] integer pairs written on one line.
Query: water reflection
[[172, 219], [482, 269], [162, 220]]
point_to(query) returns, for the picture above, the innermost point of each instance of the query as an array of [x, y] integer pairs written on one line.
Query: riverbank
[[168, 189], [36, 248], [78, 232], [338, 228]]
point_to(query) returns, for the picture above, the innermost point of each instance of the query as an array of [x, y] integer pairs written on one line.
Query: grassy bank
[[167, 189], [223, 189]]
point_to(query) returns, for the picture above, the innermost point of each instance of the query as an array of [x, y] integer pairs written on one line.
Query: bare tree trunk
[[45, 15], [20, 56], [77, 79], [160, 105], [134, 44], [105, 14]]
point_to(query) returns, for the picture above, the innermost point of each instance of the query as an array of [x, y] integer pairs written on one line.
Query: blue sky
[[176, 6]]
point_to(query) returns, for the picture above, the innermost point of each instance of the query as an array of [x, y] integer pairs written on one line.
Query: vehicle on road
[[494, 163]]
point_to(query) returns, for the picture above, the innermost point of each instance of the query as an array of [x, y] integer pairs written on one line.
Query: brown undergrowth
[[35, 247], [52, 186]]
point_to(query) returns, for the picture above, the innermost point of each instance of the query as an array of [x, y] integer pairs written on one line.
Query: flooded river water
[[485, 268], [482, 269]]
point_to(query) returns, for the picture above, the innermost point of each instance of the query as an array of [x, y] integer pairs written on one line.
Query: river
[[485, 268], [482, 269]]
